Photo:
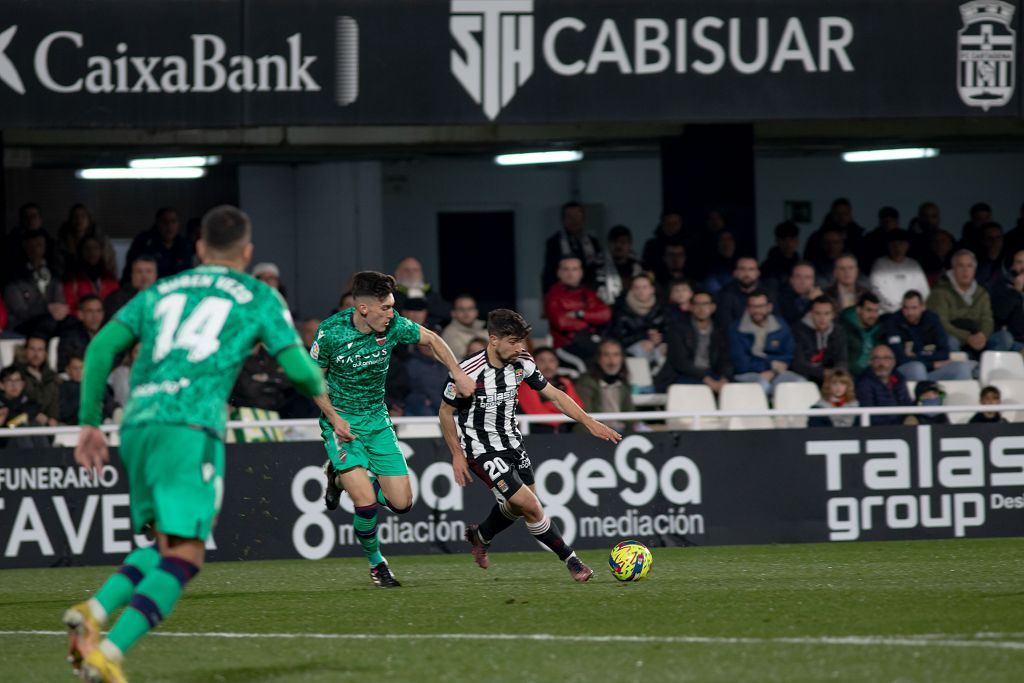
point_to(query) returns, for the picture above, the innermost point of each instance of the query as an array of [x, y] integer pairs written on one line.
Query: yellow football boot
[[83, 633], [96, 668]]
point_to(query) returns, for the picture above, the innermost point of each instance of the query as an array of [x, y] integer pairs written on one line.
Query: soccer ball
[[630, 561]]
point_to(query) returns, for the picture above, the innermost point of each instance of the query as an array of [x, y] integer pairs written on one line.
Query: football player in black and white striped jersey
[[491, 445]]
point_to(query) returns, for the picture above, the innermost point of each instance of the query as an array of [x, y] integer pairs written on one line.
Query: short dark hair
[[991, 391], [619, 231], [803, 263], [37, 335], [787, 229], [913, 294], [840, 201], [979, 207], [87, 298], [76, 355], [542, 349], [759, 292], [822, 300], [992, 224], [225, 228], [501, 322], [571, 205], [144, 257], [888, 212], [704, 291], [369, 284], [8, 371], [867, 298]]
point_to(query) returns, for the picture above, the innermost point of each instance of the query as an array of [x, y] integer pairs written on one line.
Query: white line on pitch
[[927, 640]]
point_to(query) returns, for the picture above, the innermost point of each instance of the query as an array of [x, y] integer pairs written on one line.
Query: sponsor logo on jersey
[[519, 375], [449, 391], [314, 351]]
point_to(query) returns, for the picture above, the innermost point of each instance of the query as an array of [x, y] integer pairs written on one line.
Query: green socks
[[152, 602], [365, 526], [118, 589]]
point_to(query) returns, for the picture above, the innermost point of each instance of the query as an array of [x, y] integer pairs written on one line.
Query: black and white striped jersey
[[488, 419]]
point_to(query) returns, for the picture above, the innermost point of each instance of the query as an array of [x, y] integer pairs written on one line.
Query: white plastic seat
[[745, 396], [1001, 365], [425, 430], [52, 352], [795, 396], [693, 397], [7, 350], [1012, 391], [961, 392], [639, 372], [65, 440]]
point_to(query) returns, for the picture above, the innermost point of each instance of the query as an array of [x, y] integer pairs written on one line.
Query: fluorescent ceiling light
[[140, 173], [175, 162], [891, 154], [554, 157]]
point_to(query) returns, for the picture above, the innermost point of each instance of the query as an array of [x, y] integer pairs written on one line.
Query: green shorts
[[375, 448], [175, 478]]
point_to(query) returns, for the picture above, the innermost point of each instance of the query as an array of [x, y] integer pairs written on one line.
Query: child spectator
[[990, 396], [836, 392], [928, 393]]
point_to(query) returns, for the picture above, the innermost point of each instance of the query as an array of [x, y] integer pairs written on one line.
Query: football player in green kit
[[195, 329], [354, 349]]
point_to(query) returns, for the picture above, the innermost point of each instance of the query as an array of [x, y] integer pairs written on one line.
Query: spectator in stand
[[575, 314], [990, 396], [863, 332], [836, 392], [990, 258], [77, 336], [839, 216], [847, 285], [831, 248], [965, 309], [881, 385], [411, 285], [1008, 302], [426, 374], [90, 274], [971, 235], [77, 227], [12, 247], [346, 301], [638, 322], [165, 243], [70, 394], [571, 240], [261, 383], [35, 299], [723, 263], [619, 266], [732, 299], [894, 275], [120, 377], [697, 348], [532, 403], [40, 379], [465, 325], [680, 294], [920, 343], [1014, 240], [673, 265], [820, 344], [761, 345], [605, 388], [876, 243], [475, 345], [784, 255], [797, 293], [17, 409], [928, 393], [927, 221], [143, 270], [269, 274], [937, 254], [669, 231]]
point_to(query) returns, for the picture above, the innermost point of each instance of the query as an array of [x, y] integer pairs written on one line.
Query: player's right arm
[[451, 437], [114, 338]]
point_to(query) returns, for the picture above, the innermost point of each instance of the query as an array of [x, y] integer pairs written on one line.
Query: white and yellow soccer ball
[[630, 561]]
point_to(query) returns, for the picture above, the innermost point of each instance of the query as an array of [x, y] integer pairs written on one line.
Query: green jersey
[[357, 362], [196, 329]]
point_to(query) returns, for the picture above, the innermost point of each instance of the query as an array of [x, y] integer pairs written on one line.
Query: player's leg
[[335, 452], [394, 492], [356, 483], [387, 462], [545, 531]]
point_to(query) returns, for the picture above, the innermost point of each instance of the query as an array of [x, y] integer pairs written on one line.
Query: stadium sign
[[677, 488], [196, 64]]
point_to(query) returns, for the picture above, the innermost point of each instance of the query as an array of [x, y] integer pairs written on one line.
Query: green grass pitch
[[915, 611]]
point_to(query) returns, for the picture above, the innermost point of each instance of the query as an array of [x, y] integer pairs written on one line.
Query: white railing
[[637, 416]]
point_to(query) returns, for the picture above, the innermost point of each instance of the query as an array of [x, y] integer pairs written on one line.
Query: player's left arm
[[569, 407], [464, 386], [113, 339]]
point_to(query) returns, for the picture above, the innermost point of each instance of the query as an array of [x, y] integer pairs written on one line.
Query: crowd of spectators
[[859, 312]]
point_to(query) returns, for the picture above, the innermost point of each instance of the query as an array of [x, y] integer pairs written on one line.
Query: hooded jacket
[[950, 305], [859, 341], [817, 351]]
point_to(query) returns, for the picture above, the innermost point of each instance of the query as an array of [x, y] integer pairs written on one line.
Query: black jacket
[[732, 300], [1008, 307], [926, 341], [681, 339], [629, 327], [811, 363]]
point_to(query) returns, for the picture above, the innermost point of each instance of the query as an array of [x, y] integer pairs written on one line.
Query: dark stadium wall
[[953, 180]]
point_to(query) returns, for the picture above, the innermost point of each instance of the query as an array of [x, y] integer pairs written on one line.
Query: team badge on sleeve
[[449, 391], [314, 351]]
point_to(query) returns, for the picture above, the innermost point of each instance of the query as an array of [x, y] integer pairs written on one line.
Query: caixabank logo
[[888, 488], [494, 49], [68, 62]]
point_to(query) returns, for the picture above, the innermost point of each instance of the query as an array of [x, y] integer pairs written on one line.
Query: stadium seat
[[961, 392], [7, 349], [639, 372], [1012, 391], [52, 352], [649, 400], [1001, 365], [540, 342], [426, 430], [696, 397], [745, 396], [795, 396], [68, 440]]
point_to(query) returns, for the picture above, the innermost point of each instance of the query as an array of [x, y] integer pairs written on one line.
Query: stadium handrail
[[864, 413]]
